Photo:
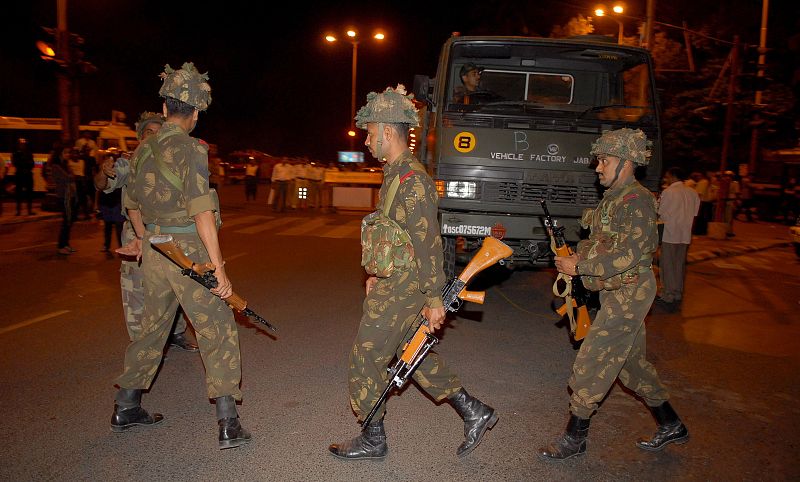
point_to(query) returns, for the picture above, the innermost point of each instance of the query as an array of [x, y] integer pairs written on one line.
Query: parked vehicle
[[525, 134]]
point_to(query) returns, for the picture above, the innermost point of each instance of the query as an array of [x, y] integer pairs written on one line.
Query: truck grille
[[529, 193]]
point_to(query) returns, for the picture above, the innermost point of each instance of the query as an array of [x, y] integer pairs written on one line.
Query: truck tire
[[449, 248]]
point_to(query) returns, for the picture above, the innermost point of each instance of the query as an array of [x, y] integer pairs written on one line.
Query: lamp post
[[618, 9], [352, 37]]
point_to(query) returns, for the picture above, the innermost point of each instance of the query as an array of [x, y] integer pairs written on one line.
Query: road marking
[[29, 247], [344, 231], [267, 226], [304, 228], [723, 264], [253, 218], [32, 321], [231, 258]]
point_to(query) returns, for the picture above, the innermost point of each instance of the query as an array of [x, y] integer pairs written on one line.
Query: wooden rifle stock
[[421, 342], [582, 321], [204, 271]]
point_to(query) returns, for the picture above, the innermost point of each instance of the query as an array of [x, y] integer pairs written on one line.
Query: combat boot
[[231, 432], [179, 340], [571, 443], [128, 411], [670, 429], [478, 418], [371, 444]]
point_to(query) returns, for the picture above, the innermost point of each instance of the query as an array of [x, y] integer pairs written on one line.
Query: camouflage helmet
[[147, 118], [392, 106], [186, 85], [627, 144]]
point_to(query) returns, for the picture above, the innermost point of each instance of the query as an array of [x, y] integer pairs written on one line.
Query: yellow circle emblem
[[464, 141]]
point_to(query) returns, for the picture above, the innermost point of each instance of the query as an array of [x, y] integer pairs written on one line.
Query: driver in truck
[[471, 79]]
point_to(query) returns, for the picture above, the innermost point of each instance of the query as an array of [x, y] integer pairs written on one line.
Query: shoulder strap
[[387, 203], [168, 175]]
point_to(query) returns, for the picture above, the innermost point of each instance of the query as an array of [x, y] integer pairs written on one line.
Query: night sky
[[277, 86]]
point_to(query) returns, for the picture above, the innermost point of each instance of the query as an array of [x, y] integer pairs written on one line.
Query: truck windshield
[[592, 83]]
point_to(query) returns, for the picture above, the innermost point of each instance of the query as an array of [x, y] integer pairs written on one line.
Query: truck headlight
[[461, 189]]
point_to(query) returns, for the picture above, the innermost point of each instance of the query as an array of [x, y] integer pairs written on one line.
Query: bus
[[525, 135], [43, 133]]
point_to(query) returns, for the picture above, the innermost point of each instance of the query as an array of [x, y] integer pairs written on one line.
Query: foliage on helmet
[[627, 144], [392, 106], [186, 85]]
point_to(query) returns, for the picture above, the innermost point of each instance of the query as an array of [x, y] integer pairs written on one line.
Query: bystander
[[677, 208]]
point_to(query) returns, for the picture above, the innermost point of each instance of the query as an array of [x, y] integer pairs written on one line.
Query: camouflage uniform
[[130, 272], [169, 187], [616, 259], [393, 304]]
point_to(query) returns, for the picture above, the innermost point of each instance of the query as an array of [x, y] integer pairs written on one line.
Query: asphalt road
[[729, 360]]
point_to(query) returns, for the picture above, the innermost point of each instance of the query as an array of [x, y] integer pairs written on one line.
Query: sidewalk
[[749, 237]]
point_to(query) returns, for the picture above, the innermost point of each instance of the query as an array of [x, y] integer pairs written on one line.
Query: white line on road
[[29, 247], [266, 226], [304, 228], [238, 255], [346, 230], [32, 321], [255, 218]]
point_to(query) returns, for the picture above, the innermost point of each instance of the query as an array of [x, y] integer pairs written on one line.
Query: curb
[[724, 252]]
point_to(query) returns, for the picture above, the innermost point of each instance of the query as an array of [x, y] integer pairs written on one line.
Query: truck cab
[[524, 135]]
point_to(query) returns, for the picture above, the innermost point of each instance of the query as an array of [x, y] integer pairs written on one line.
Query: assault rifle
[[575, 295], [202, 273], [421, 342]]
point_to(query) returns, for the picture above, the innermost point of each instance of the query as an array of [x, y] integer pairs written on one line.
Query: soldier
[[168, 193], [394, 300], [114, 175], [617, 261]]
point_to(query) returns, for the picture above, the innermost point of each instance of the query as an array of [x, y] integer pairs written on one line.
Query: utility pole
[[68, 94], [762, 53], [648, 26], [729, 110]]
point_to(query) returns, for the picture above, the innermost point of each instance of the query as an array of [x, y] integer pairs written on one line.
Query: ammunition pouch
[[385, 246]]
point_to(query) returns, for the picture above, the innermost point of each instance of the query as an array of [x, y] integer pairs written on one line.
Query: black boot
[[179, 340], [670, 429], [478, 418], [371, 444], [128, 411], [231, 432], [571, 443]]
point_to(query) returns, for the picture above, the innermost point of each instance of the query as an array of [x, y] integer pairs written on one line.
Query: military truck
[[525, 134]]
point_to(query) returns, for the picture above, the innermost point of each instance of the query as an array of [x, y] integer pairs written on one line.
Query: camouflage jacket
[[622, 240], [150, 191], [415, 209]]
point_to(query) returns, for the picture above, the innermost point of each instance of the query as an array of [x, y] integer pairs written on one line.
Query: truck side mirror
[[423, 89]]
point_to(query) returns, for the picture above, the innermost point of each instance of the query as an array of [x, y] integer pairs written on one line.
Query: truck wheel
[[449, 248]]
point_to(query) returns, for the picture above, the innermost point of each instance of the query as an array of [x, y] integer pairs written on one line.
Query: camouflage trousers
[[615, 347], [389, 310], [165, 288], [131, 282]]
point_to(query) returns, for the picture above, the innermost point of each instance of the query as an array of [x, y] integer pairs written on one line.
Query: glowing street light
[[352, 37], [618, 9]]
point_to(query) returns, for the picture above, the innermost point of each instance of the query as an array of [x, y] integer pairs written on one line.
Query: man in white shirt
[[677, 208], [281, 177]]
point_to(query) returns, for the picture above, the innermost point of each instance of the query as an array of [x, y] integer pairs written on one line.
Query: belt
[[155, 228]]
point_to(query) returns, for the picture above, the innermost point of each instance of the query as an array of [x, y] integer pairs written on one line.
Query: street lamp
[[618, 9], [352, 37]]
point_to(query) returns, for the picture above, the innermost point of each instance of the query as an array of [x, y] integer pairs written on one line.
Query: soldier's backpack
[[385, 246]]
